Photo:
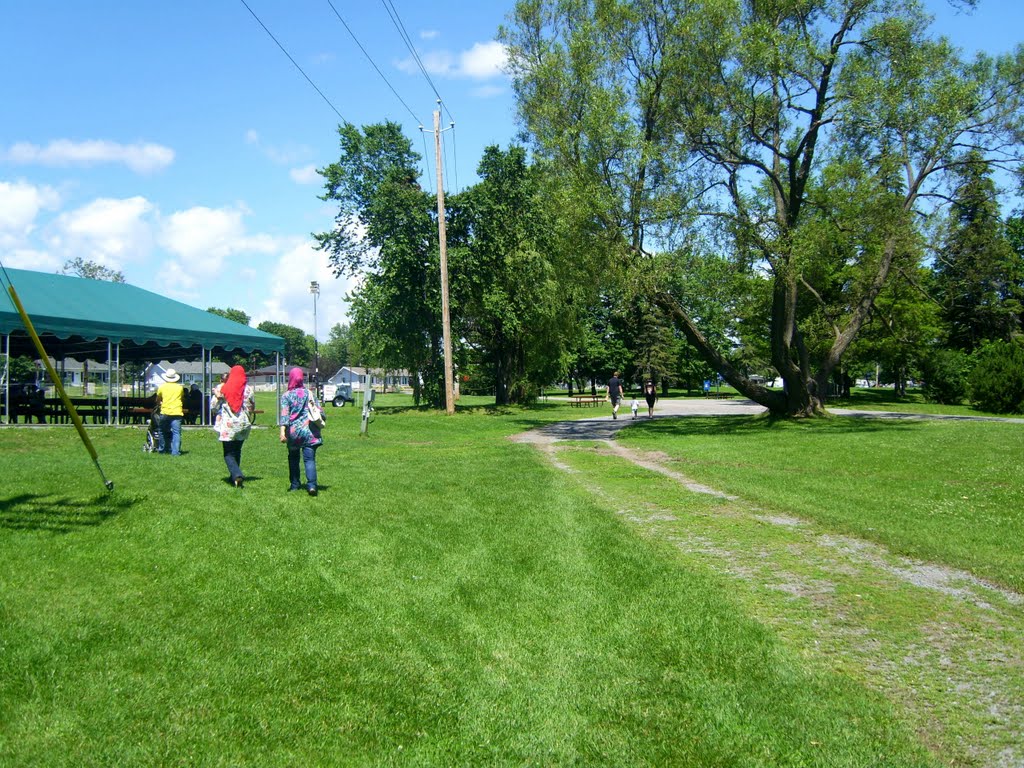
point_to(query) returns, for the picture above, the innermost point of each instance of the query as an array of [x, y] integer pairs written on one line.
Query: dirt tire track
[[940, 663]]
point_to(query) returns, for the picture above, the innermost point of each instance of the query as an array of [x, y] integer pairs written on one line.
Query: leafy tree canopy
[[80, 267]]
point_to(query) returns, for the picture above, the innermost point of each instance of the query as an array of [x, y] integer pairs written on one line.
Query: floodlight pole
[[314, 288]]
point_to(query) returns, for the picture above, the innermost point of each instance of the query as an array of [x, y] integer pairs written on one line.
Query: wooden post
[[449, 395]]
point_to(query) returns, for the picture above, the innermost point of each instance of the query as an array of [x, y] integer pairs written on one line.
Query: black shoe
[[312, 491], [237, 482]]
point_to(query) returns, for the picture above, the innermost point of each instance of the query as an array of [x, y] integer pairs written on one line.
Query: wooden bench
[[586, 401], [718, 395]]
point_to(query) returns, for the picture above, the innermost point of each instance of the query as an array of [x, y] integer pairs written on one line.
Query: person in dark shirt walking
[[615, 393]]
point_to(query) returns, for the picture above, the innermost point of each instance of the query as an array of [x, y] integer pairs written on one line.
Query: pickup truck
[[338, 394]]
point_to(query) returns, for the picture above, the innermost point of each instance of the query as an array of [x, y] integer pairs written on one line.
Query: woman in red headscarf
[[236, 404], [301, 437]]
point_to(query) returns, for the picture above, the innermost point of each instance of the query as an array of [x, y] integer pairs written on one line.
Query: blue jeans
[[309, 459], [170, 432], [233, 457]]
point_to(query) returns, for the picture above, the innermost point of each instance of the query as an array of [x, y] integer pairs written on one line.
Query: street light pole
[[314, 288]]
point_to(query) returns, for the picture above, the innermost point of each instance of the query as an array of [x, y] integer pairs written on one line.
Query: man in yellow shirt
[[170, 399]]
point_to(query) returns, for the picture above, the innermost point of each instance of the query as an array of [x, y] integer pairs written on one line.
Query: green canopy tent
[[84, 319]]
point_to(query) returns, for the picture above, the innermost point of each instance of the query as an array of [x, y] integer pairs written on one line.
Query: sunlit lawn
[[449, 598]]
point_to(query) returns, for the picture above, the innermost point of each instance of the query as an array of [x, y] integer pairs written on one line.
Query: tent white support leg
[[110, 380], [6, 379], [204, 418], [120, 384], [280, 373]]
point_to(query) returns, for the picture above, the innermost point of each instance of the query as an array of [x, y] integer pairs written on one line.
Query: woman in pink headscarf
[[296, 431], [235, 404]]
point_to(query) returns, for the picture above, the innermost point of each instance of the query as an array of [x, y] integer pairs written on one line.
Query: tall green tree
[[976, 272], [250, 361], [386, 230], [748, 117], [904, 327], [339, 350], [509, 276], [236, 315], [80, 267], [298, 345]]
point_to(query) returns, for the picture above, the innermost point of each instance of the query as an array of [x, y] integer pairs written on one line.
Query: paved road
[[604, 427]]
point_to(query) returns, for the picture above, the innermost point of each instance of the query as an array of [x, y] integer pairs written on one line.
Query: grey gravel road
[[603, 427]]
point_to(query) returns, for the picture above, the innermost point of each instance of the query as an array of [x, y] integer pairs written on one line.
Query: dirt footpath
[[945, 647]]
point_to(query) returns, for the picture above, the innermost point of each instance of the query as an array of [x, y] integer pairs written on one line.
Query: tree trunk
[[777, 403]]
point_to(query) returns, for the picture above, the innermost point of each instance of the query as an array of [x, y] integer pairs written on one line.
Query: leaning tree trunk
[[775, 402], [861, 312]]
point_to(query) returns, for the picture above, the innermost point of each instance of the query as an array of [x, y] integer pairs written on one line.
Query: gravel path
[[948, 661]]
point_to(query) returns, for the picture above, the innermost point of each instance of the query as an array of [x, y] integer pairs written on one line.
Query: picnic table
[[586, 401]]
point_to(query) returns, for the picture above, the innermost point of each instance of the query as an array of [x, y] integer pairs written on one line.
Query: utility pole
[[449, 390]]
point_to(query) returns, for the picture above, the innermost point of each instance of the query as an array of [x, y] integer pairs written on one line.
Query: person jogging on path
[[615, 393]]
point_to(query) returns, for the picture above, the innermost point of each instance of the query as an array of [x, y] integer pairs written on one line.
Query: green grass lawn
[[883, 399], [945, 491], [450, 598]]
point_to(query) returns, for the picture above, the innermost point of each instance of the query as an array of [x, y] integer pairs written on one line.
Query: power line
[[396, 19], [283, 50], [369, 59]]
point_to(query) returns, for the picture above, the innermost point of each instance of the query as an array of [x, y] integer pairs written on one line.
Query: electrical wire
[[295, 63], [372, 63], [396, 19]]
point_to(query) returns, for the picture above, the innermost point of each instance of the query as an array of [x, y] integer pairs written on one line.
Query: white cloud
[[139, 157], [428, 34], [20, 205], [290, 301], [305, 175], [28, 258], [108, 231], [435, 62], [202, 239], [489, 91], [288, 154], [482, 61]]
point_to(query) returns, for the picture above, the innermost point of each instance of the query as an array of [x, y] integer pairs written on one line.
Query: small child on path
[[634, 406]]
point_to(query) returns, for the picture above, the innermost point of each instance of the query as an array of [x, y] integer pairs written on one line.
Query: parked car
[[338, 395]]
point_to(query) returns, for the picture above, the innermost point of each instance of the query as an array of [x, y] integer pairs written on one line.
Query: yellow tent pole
[[58, 385]]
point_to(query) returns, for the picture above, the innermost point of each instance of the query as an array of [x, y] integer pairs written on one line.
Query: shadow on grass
[[486, 409], [749, 425], [55, 514]]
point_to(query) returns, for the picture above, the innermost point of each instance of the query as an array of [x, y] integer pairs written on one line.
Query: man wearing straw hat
[[170, 400]]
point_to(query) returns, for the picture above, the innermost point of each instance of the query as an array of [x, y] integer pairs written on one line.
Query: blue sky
[[177, 143]]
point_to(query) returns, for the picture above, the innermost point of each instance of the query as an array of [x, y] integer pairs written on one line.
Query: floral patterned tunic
[[234, 426], [295, 417]]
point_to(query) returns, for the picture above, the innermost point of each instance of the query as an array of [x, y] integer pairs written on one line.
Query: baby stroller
[[153, 432]]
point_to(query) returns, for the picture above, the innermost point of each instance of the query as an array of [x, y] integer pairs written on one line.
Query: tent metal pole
[[6, 379], [110, 379], [278, 377], [207, 384], [120, 385]]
